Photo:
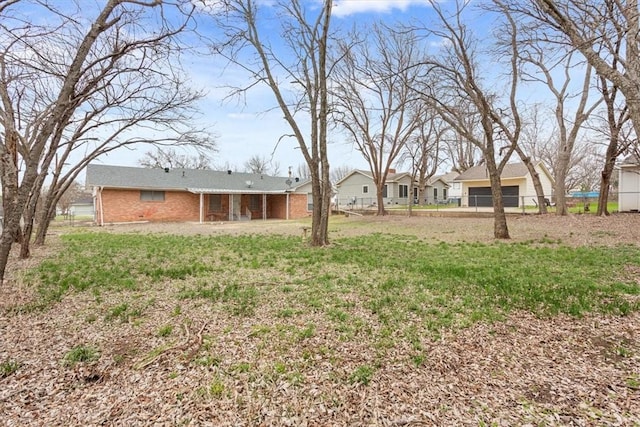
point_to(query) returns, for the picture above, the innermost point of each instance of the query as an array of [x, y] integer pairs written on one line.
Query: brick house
[[124, 194]]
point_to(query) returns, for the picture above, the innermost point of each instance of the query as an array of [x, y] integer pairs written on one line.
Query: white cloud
[[349, 7]]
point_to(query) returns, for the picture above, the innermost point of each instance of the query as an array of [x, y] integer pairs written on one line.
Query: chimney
[[392, 170]]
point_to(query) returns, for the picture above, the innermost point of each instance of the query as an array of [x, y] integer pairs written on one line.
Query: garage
[[481, 196]]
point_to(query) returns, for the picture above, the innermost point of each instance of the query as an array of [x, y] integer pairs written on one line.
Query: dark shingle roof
[[194, 180], [511, 170]]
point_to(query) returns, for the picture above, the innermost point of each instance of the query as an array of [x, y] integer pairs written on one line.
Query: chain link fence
[[521, 203]]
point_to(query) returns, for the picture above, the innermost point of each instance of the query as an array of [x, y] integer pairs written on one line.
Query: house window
[[384, 191], [365, 189], [444, 193], [254, 202], [151, 196], [404, 191], [215, 202], [435, 194], [309, 201]]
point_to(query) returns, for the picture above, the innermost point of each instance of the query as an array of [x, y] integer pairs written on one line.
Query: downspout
[[101, 221]]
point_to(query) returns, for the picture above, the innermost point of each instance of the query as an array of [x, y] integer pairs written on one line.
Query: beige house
[[517, 185]]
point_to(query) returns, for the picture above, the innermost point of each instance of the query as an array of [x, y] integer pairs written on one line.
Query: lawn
[[257, 329]]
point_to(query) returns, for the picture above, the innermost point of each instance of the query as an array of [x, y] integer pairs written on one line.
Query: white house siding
[[352, 187], [629, 189], [529, 190], [455, 190], [83, 209]]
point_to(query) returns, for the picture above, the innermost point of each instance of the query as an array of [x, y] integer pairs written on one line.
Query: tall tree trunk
[[500, 229], [44, 221], [535, 177], [562, 166], [380, 199], [605, 178], [410, 197]]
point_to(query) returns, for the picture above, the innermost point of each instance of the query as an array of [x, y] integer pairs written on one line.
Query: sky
[[254, 126]]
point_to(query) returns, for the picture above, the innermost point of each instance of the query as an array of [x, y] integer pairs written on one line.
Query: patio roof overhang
[[229, 191]]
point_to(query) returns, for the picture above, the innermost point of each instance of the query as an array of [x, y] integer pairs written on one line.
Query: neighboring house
[[517, 185], [122, 194], [454, 192], [629, 185], [357, 189], [437, 191], [83, 206]]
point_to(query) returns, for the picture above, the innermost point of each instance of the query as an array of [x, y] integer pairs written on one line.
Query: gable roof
[[447, 177], [435, 179], [192, 180], [631, 160], [511, 170], [391, 177]]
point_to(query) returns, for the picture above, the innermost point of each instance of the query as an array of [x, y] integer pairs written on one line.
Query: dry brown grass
[[218, 369]]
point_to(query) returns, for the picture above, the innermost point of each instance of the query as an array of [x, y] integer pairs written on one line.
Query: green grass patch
[[9, 367], [80, 354], [407, 287]]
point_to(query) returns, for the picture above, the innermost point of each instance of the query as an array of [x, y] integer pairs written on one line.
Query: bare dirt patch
[[218, 369], [574, 230]]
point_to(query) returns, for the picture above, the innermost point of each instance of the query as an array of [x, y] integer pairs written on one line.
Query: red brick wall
[[298, 206], [125, 205]]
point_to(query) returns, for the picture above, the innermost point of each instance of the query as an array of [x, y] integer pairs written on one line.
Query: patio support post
[[201, 208], [264, 206]]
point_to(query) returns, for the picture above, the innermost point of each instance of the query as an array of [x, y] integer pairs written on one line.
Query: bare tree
[[73, 193], [539, 135], [262, 165], [301, 61], [81, 86], [423, 152], [619, 132], [584, 173], [303, 172], [339, 172], [170, 158], [540, 60], [462, 153], [617, 126], [576, 21], [540, 141], [455, 91], [373, 97]]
